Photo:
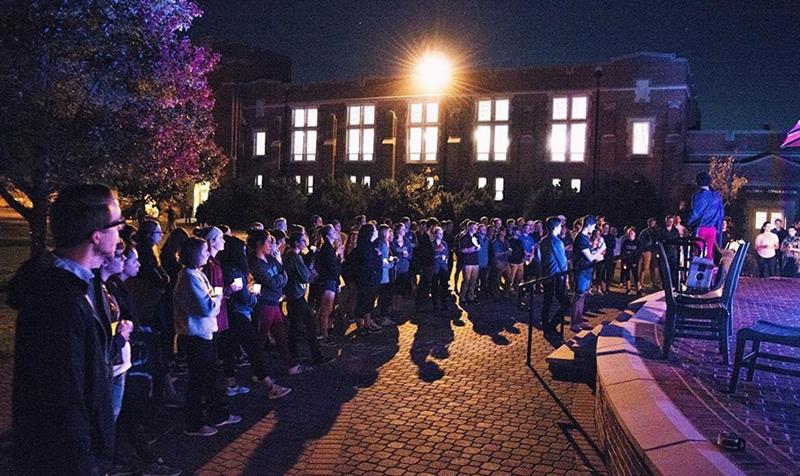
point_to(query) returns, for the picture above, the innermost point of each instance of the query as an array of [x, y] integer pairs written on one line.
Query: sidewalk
[[426, 397]]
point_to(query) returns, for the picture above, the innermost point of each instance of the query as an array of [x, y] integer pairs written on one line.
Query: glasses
[[118, 224]]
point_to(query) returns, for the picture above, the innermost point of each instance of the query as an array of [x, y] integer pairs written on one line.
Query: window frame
[[360, 127], [632, 121], [304, 129], [256, 132], [492, 124], [424, 126], [569, 122]]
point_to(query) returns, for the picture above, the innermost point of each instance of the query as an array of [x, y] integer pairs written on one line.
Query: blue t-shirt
[[554, 258], [581, 243], [483, 253]]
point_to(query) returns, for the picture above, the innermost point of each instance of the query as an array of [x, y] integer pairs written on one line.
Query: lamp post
[[433, 75], [598, 74]]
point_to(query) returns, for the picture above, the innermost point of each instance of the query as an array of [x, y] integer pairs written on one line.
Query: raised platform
[[642, 430]]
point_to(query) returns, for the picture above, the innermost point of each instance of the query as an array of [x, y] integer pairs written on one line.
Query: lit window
[[304, 137], [259, 181], [482, 182], [575, 184], [360, 132], [367, 181], [310, 184], [761, 217], [498, 188], [353, 179], [492, 130], [556, 182], [298, 179], [568, 129], [640, 145], [423, 132], [260, 145], [429, 181], [775, 216]]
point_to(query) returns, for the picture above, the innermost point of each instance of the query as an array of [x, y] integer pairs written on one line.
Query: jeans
[[301, 321], [469, 282], [766, 266], [202, 394], [555, 287]]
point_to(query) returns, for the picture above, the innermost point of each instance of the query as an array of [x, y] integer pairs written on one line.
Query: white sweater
[[195, 310]]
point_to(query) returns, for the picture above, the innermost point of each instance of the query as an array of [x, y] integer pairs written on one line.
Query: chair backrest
[[732, 280], [666, 276]]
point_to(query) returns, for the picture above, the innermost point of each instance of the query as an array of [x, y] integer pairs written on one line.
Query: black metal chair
[[730, 269], [763, 331], [699, 320]]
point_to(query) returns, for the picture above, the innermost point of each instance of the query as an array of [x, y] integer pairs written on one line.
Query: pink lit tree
[[102, 91]]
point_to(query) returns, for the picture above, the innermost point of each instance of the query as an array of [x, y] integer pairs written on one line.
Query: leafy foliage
[[103, 91], [723, 180]]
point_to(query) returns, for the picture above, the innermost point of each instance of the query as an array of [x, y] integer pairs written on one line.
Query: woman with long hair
[[367, 277], [328, 275]]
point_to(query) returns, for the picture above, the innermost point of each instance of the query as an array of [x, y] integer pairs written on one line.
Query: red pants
[[709, 234], [271, 321]]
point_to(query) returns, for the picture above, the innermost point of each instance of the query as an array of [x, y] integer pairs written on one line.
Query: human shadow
[[493, 318], [274, 434], [432, 339]]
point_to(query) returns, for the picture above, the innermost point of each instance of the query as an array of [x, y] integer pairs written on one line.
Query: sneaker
[[204, 431], [296, 370], [324, 359], [237, 390], [232, 420], [158, 468], [276, 391]]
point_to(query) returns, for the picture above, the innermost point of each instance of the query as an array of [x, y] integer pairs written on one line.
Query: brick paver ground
[[426, 397], [766, 411]]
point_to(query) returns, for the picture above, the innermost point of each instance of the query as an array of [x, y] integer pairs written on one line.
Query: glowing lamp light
[[433, 73]]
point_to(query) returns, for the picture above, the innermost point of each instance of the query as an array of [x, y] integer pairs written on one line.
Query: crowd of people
[[133, 313]]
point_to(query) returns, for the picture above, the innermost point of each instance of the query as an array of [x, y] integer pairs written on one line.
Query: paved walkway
[[426, 397], [766, 411]]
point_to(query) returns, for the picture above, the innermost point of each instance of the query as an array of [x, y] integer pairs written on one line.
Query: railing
[[689, 244]]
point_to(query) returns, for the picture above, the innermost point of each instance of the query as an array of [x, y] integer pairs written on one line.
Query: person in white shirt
[[766, 244]]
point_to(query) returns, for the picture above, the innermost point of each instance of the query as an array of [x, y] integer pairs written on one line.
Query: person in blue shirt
[[707, 213], [584, 258], [483, 261], [554, 267]]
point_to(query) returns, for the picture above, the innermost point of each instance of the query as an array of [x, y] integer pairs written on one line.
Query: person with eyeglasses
[[61, 387]]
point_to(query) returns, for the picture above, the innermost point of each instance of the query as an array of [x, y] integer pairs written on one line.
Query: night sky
[[745, 56]]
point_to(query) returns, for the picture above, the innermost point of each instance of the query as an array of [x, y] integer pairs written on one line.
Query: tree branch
[[14, 204]]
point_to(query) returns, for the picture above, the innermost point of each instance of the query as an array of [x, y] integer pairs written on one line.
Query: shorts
[[328, 285], [583, 280]]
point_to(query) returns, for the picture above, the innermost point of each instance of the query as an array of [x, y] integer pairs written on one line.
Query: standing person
[[441, 274], [670, 233], [171, 264], [554, 268], [610, 242], [791, 253], [269, 273], [196, 307], [424, 261], [61, 412], [469, 246], [631, 249], [240, 306], [707, 213], [583, 258], [403, 250], [501, 250], [516, 260], [368, 278], [301, 319], [766, 245], [385, 291], [779, 230], [647, 239], [328, 274], [483, 261]]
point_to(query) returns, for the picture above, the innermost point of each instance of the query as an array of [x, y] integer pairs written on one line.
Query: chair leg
[[723, 340], [669, 335], [751, 367], [737, 364]]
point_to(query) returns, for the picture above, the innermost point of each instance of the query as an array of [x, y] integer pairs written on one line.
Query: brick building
[[508, 130]]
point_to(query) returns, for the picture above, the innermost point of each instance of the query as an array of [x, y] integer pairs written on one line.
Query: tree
[[723, 180], [107, 91], [338, 198]]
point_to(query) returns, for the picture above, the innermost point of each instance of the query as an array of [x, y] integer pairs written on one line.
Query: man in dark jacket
[[554, 266], [707, 213], [61, 404]]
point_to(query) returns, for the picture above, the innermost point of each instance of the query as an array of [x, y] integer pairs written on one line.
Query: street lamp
[[433, 72]]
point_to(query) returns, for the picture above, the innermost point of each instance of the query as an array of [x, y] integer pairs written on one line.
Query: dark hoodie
[[61, 404]]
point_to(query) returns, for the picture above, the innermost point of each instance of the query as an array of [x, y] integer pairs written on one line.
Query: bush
[[239, 204]]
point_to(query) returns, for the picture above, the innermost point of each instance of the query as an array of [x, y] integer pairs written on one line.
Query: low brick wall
[[641, 430]]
